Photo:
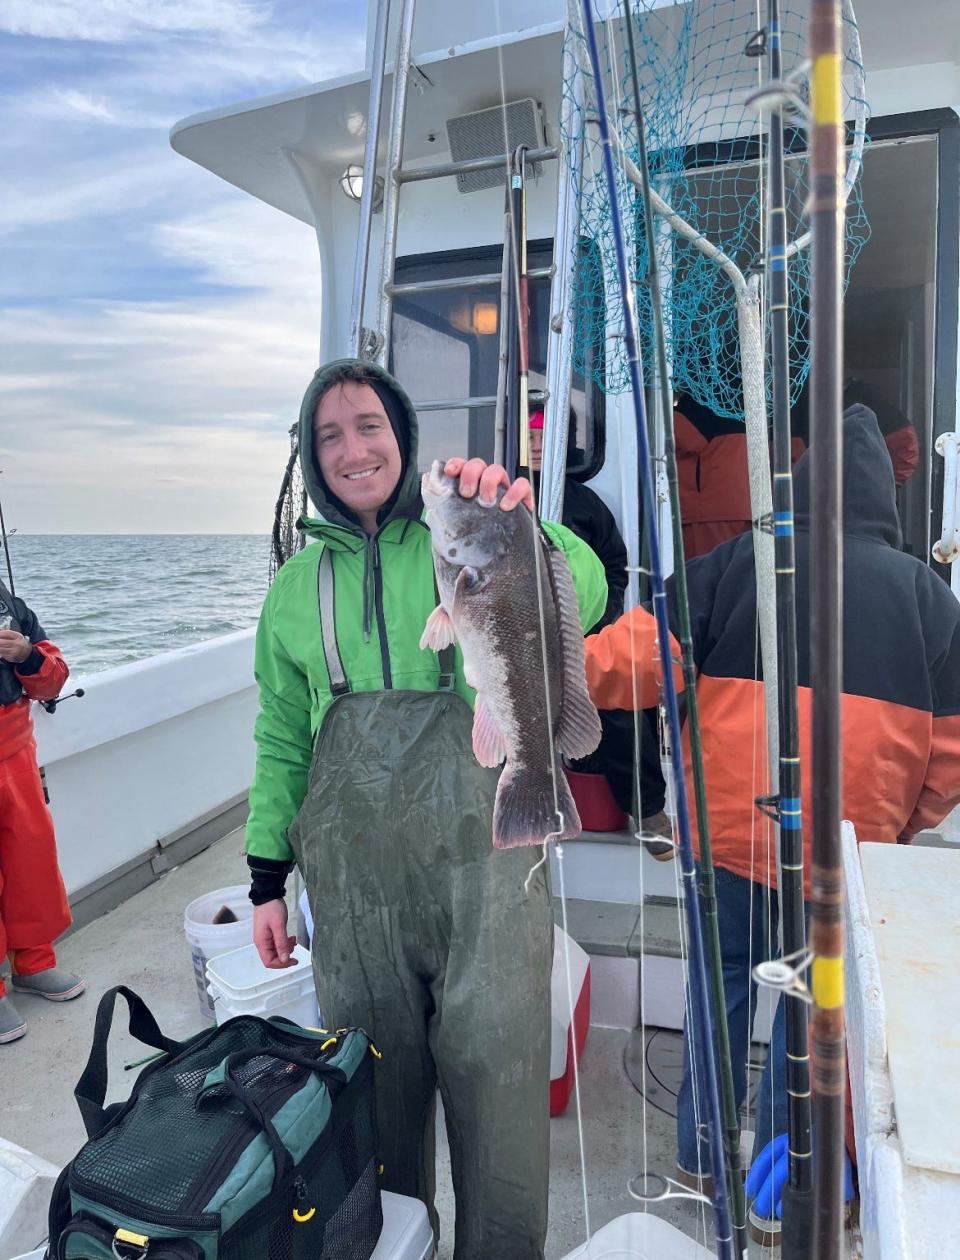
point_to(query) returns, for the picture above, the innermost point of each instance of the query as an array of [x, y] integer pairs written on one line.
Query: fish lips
[[435, 485]]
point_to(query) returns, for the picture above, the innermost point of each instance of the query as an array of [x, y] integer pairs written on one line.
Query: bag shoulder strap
[[91, 1089]]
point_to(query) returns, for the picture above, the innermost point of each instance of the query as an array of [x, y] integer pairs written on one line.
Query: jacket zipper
[[381, 623]]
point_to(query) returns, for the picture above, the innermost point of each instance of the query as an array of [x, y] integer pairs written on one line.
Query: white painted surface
[[614, 992], [150, 748], [912, 895], [620, 873], [907, 1213]]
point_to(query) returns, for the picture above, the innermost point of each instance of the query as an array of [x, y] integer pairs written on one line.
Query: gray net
[[286, 539]]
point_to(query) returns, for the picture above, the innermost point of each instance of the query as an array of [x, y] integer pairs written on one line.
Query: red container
[[595, 804]]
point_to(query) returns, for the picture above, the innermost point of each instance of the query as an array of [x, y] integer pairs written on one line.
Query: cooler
[[567, 1036]]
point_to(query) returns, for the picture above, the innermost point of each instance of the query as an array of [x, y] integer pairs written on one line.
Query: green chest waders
[[424, 936]]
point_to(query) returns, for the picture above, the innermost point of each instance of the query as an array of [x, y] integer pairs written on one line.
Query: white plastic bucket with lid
[[240, 984], [209, 940]]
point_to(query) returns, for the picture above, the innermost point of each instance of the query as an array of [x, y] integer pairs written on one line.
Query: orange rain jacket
[[901, 661]]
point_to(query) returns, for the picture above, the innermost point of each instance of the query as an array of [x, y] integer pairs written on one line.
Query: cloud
[[189, 401], [158, 327], [117, 21]]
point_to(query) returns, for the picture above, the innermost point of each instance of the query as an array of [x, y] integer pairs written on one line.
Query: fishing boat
[[406, 156]]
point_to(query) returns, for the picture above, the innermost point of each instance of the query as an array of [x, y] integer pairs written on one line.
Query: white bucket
[[209, 940], [241, 985]]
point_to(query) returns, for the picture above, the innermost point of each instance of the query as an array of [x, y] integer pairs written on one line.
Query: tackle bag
[[255, 1140]]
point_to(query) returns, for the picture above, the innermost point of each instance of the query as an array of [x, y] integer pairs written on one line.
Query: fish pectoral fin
[[468, 580], [578, 730], [438, 633], [489, 746]]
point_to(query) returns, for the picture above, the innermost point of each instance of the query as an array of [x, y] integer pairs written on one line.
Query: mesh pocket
[[161, 1153], [344, 1191]]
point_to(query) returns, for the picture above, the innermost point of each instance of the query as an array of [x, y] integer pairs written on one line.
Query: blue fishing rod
[[701, 1026]]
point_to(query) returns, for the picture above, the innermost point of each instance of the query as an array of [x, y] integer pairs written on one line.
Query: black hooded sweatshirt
[[901, 669]]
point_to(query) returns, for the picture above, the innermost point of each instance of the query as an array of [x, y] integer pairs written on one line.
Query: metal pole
[[511, 445], [565, 252], [414, 174], [377, 72], [826, 621], [797, 1194], [391, 187], [503, 357], [700, 1004]]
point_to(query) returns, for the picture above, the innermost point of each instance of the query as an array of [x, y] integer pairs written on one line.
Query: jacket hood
[[869, 491], [405, 500]]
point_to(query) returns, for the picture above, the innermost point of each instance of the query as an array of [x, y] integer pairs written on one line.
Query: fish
[[532, 705]]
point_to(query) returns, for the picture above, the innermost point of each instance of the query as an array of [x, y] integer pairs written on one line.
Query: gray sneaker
[[657, 825], [12, 1024], [53, 984]]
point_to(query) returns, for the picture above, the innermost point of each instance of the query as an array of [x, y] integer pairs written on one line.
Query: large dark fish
[[488, 564]]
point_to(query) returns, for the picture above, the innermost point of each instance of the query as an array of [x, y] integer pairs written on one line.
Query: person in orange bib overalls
[[33, 901]]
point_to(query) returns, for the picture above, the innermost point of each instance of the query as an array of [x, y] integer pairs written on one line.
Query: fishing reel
[[51, 705]]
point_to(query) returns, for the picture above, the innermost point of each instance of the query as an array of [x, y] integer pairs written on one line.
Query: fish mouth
[[436, 485]]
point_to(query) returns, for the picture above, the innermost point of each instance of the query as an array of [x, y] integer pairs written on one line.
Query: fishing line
[[702, 1025], [538, 565]]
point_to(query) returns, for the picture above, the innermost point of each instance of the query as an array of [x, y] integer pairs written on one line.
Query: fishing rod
[[797, 1198], [700, 1021], [6, 548], [707, 888], [523, 312], [515, 438], [826, 621], [52, 705]]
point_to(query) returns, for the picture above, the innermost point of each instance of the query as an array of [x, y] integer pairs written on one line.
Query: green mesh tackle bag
[[255, 1140]]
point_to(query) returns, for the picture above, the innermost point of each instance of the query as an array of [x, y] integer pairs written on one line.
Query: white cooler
[[406, 1230]]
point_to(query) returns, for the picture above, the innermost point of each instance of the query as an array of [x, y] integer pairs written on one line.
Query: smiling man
[[423, 934]]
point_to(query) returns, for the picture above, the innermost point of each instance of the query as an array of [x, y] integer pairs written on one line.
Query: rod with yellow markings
[[826, 613]]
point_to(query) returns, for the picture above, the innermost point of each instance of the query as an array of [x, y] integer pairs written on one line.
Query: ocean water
[[108, 599]]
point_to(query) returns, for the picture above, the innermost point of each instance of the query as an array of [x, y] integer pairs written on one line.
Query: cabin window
[[445, 348], [900, 310]]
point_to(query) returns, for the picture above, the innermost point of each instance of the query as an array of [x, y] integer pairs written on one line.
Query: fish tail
[[525, 812]]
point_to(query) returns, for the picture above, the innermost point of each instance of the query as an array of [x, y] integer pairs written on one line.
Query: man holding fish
[[426, 933]]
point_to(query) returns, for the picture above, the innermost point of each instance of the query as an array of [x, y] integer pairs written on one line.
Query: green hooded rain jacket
[[384, 594]]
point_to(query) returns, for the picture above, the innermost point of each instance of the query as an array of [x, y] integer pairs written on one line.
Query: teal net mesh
[[706, 144]]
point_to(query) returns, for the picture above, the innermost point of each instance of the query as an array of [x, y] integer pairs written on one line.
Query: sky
[[157, 326]]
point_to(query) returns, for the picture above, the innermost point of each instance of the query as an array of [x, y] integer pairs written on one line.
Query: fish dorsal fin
[[578, 731]]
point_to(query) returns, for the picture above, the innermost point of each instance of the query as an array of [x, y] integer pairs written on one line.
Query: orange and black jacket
[[901, 670], [40, 677]]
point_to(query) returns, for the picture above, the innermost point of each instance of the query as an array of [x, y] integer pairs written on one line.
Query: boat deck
[[141, 944]]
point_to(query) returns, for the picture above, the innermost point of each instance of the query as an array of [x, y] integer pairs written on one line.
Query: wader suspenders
[[326, 596]]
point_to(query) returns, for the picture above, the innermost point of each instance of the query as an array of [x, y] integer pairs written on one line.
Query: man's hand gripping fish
[[487, 572]]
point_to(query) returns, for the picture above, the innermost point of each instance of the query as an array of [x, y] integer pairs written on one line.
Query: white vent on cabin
[[482, 134]]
